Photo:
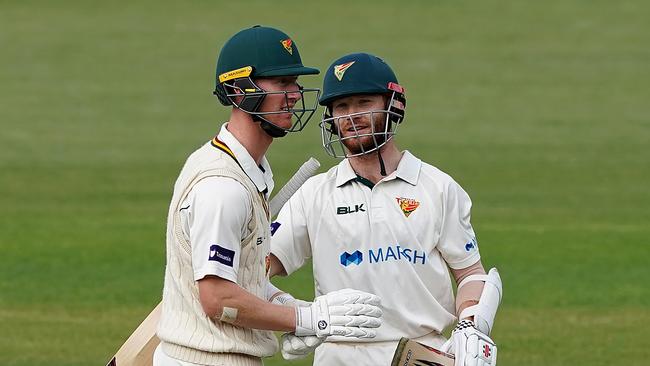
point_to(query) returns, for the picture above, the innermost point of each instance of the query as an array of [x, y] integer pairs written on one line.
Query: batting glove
[[347, 313], [470, 346], [295, 347]]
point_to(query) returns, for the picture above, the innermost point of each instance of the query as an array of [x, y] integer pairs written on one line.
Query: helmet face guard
[[337, 144], [252, 97]]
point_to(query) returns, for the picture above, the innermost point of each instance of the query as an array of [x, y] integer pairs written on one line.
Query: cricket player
[[219, 307], [385, 222]]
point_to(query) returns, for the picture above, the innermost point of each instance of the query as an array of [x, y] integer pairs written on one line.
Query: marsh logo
[[347, 258], [396, 253], [385, 254], [472, 244]]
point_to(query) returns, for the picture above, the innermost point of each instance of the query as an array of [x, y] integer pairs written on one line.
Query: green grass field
[[539, 109]]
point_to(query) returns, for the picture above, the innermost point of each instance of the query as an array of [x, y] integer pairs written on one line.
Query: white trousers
[[365, 354], [160, 358]]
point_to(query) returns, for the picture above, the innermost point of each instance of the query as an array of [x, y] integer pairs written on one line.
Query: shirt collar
[[407, 170], [261, 175]]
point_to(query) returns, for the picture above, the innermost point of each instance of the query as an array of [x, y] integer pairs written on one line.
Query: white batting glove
[[347, 313], [295, 347], [470, 346]]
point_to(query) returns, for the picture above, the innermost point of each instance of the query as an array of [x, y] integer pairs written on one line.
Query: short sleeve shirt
[[216, 211], [395, 239]]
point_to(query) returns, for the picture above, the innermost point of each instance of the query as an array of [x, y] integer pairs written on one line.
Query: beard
[[368, 140]]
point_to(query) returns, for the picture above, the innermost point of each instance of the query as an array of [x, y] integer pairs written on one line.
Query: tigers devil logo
[[407, 205]]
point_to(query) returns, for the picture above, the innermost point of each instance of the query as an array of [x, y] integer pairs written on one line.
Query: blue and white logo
[[385, 254], [347, 258], [471, 245], [396, 253], [274, 227], [222, 255]]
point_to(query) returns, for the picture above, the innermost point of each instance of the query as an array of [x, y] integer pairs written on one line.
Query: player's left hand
[[295, 347], [470, 346]]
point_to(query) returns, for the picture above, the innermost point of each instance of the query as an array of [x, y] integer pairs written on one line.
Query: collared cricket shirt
[[395, 240], [215, 213]]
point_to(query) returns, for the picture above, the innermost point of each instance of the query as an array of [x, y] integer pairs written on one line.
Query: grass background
[[539, 109]]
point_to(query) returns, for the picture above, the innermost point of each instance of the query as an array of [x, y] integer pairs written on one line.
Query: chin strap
[[270, 129], [382, 167]]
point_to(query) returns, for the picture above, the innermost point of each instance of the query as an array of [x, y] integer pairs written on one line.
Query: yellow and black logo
[[235, 74]]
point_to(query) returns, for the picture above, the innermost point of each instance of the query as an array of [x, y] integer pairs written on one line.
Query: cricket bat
[[139, 347], [412, 353]]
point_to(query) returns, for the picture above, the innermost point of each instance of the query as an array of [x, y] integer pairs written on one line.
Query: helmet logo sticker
[[235, 74], [339, 70], [407, 205], [287, 43]]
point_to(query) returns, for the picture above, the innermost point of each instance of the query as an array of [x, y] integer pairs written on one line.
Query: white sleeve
[[290, 237], [457, 243], [217, 213]]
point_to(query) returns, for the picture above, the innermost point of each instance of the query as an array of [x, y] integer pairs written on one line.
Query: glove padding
[[347, 313], [470, 346], [295, 347]]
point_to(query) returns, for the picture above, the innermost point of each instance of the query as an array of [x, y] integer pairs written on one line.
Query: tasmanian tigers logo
[[407, 205], [287, 44]]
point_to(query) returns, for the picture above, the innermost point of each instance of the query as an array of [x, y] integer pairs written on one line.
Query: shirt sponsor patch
[[384, 254], [274, 227], [347, 258], [221, 255], [471, 245]]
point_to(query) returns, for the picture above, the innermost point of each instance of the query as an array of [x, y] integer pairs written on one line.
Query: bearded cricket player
[[385, 222]]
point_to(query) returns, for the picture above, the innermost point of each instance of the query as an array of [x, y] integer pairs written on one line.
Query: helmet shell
[[356, 73], [268, 51]]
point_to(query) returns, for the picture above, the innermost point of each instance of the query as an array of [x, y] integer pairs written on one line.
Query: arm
[[469, 294], [243, 308], [277, 269]]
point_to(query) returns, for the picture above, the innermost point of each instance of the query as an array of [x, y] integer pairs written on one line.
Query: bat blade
[[138, 349], [412, 353]]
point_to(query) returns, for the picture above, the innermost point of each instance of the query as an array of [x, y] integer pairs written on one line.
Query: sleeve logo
[[222, 255]]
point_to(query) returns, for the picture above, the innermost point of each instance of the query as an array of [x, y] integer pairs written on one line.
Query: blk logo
[[344, 210], [347, 258]]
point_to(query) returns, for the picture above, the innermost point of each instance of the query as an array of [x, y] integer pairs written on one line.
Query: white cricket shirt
[[394, 240], [218, 209]]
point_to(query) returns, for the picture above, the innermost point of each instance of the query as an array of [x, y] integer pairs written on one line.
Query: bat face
[[138, 349], [412, 353]]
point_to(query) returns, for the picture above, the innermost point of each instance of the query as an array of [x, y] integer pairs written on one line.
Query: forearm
[[225, 301], [277, 269], [470, 294]]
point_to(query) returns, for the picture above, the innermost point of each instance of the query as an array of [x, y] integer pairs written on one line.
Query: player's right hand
[[347, 313], [470, 347], [295, 347]]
